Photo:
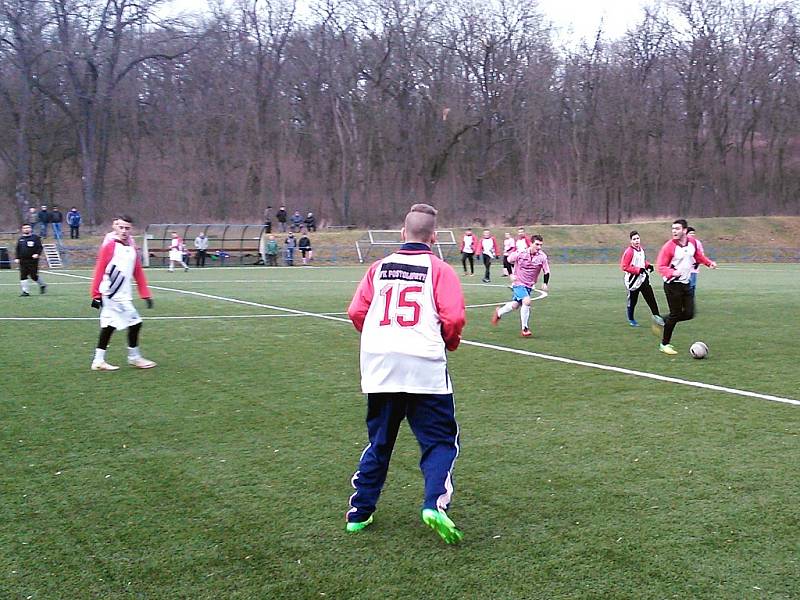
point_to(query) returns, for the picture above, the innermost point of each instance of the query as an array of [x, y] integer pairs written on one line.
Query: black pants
[[681, 307], [507, 265], [487, 263], [646, 290], [468, 256], [200, 258], [74, 232], [29, 267]]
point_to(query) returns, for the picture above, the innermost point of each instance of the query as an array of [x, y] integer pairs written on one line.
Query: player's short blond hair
[[420, 223]]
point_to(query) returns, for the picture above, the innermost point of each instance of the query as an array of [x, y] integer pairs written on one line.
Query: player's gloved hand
[[650, 268], [97, 303], [148, 302]]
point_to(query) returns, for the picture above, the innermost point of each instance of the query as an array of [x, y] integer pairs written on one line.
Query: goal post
[[388, 240]]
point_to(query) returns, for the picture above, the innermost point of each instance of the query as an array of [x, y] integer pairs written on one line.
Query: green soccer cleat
[[667, 349], [355, 527], [658, 320], [441, 524]]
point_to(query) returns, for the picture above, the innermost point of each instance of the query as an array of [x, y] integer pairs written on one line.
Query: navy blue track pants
[[432, 420]]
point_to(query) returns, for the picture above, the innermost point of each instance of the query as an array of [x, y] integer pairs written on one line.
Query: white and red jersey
[[527, 267], [409, 308], [699, 245], [509, 245], [633, 262], [117, 265], [489, 247], [675, 261], [469, 243], [522, 242]]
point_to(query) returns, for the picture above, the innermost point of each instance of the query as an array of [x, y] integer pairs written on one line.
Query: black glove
[[148, 302], [97, 303], [642, 271], [650, 268]]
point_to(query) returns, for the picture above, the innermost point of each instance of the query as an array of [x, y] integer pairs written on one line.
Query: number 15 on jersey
[[401, 305]]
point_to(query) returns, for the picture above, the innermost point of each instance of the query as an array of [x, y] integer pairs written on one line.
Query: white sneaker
[[141, 363], [101, 365]]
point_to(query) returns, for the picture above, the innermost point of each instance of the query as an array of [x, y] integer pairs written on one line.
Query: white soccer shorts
[[119, 315]]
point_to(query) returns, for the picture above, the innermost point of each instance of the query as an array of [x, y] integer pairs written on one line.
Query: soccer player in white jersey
[[117, 264], [675, 262], [528, 264], [409, 308], [636, 266], [176, 252]]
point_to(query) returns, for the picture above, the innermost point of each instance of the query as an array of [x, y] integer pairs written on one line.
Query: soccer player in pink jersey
[[528, 264], [409, 308], [636, 267], [675, 262]]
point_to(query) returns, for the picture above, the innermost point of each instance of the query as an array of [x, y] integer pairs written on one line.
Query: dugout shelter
[[386, 241], [228, 244]]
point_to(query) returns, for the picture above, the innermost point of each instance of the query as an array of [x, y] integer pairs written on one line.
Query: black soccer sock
[[133, 335], [105, 337]]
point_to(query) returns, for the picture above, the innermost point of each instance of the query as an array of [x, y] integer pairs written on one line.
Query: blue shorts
[[520, 292]]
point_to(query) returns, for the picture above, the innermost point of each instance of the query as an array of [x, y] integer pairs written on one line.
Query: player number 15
[[403, 302]]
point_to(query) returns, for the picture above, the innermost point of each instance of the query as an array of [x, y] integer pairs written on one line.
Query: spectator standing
[[118, 263], [291, 245], [409, 308], [32, 217], [271, 252], [488, 250], [201, 250], [176, 250], [311, 222], [281, 216], [56, 218], [43, 217], [268, 219], [74, 222], [29, 249], [304, 244], [297, 221]]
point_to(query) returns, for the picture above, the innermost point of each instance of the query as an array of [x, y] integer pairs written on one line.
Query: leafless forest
[[356, 108]]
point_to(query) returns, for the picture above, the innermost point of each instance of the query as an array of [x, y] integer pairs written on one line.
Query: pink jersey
[[409, 308], [675, 262], [527, 267]]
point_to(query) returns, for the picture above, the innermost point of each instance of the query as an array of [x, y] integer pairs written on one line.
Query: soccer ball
[[698, 350]]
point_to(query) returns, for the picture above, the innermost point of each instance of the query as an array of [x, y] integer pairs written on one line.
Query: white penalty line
[[568, 361]]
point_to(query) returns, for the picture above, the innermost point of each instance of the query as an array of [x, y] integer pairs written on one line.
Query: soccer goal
[[388, 240]]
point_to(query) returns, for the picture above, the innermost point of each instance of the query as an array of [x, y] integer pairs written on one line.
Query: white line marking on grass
[[167, 318], [569, 361], [583, 363]]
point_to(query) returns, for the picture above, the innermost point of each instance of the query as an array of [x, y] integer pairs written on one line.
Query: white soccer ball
[[698, 350]]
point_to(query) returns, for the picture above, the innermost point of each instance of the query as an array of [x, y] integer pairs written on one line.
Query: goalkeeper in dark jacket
[[29, 249], [636, 267]]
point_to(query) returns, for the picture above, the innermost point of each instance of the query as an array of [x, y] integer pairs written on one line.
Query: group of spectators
[[291, 245], [40, 220], [294, 223]]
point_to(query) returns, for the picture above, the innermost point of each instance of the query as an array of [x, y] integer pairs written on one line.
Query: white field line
[[561, 359], [165, 318]]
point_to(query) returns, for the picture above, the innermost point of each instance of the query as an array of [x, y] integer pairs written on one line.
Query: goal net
[[386, 241]]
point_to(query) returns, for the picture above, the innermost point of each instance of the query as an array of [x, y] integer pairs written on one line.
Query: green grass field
[[224, 472]]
